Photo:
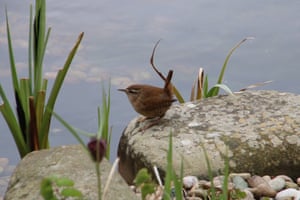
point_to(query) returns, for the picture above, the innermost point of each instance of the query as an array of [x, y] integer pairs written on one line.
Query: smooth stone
[[243, 175], [286, 178], [190, 182], [288, 193], [277, 183], [249, 195], [298, 181], [70, 161], [263, 190], [255, 180], [239, 183], [267, 178], [251, 127], [291, 185]]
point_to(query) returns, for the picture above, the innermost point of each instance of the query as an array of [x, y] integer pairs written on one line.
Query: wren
[[151, 101]]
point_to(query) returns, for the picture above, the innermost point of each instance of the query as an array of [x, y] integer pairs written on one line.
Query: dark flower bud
[[94, 147]]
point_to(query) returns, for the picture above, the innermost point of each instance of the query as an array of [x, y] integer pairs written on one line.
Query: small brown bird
[[151, 101]]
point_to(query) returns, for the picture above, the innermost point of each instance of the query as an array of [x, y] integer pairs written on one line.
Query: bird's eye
[[133, 91]]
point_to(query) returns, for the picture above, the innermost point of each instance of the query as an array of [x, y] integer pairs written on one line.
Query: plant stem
[[97, 164]]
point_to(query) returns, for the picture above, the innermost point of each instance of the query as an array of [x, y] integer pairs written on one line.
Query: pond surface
[[118, 41]]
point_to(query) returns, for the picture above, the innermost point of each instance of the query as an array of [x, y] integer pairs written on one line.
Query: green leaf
[[39, 42], [30, 51], [221, 75], [39, 109], [104, 131], [70, 128], [169, 170], [178, 95], [222, 86], [178, 184], [210, 173], [54, 93], [146, 189], [12, 123], [71, 192], [142, 176], [64, 182], [46, 189], [13, 70], [205, 87]]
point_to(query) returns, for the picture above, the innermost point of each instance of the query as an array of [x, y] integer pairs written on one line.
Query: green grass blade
[[178, 184], [210, 173], [12, 123], [220, 79], [14, 74], [39, 39], [205, 87], [225, 193], [222, 86], [30, 51], [39, 109], [70, 128], [24, 96], [169, 170], [178, 95], [23, 108], [54, 92], [103, 120]]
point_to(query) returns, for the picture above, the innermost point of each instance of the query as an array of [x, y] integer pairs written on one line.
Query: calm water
[[118, 41]]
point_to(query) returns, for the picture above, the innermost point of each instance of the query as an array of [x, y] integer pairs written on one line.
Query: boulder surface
[[67, 161], [258, 131]]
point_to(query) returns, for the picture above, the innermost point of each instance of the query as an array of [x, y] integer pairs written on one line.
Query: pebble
[[255, 181], [285, 178], [190, 182], [289, 193], [267, 178], [289, 184], [239, 183], [277, 183], [263, 190], [242, 175], [280, 187]]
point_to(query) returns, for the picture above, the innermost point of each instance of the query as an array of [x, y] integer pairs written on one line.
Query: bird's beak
[[122, 90]]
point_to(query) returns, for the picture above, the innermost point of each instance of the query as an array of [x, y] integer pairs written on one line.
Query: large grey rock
[[66, 161], [260, 128]]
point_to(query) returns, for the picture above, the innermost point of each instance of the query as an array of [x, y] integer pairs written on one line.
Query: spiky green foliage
[[54, 188], [30, 124]]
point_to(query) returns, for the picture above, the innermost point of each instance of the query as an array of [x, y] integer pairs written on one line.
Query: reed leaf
[[222, 86], [13, 70], [215, 90], [54, 93], [12, 123], [104, 131]]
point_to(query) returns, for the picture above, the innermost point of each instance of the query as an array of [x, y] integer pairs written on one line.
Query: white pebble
[[291, 192], [277, 183], [190, 181]]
